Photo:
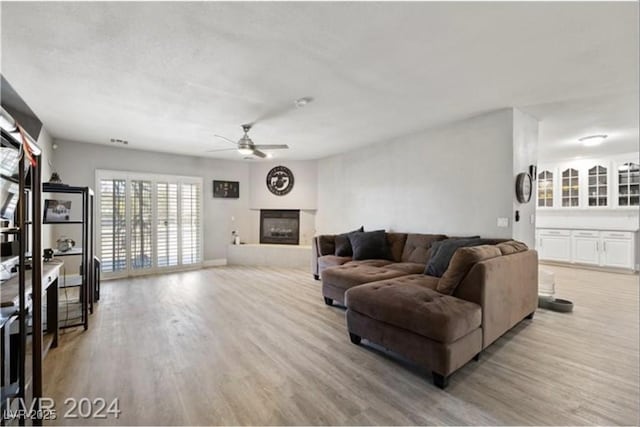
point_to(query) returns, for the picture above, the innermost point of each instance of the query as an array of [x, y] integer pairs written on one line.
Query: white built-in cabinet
[[599, 183], [602, 248]]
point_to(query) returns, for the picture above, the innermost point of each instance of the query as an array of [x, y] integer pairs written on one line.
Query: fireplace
[[280, 226]]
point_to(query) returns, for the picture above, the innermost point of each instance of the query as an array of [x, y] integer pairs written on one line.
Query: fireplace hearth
[[280, 226]]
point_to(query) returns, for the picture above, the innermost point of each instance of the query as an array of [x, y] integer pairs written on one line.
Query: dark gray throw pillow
[[343, 245], [370, 245], [443, 250]]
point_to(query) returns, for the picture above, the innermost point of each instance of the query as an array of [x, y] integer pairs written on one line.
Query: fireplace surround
[[280, 226]]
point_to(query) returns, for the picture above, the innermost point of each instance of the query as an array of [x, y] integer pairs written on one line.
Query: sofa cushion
[[511, 247], [415, 307], [327, 261], [326, 244], [350, 275], [407, 267], [371, 262], [396, 244], [416, 247], [463, 259], [370, 245], [442, 252], [343, 244]]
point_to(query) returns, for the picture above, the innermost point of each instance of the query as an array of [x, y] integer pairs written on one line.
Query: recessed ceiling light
[[592, 140], [301, 102]]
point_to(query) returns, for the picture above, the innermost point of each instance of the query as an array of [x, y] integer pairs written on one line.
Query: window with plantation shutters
[[190, 223], [167, 229], [140, 234], [148, 222], [113, 227]]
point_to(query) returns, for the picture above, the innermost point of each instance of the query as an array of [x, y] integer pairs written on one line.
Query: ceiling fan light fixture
[[245, 151], [592, 140]]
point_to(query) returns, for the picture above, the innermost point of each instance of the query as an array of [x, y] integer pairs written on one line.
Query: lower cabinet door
[[555, 248], [586, 250], [617, 253]]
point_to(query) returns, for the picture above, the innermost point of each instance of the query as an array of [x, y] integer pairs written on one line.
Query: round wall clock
[[280, 180], [523, 187]]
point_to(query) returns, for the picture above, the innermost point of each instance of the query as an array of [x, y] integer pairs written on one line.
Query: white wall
[[77, 162], [456, 179], [303, 196], [525, 153]]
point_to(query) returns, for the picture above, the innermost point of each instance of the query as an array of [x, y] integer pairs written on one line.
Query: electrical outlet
[[503, 222]]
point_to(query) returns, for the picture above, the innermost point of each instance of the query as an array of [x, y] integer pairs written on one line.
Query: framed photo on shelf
[[226, 189], [57, 211]]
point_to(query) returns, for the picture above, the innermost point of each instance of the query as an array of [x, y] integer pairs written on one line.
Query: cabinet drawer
[[544, 232], [586, 233], [617, 235]]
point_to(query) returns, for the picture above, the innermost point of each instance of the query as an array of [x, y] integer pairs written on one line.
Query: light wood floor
[[244, 345]]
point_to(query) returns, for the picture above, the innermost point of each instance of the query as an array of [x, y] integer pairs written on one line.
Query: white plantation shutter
[[167, 220], [140, 235], [148, 222], [190, 223], [113, 226]]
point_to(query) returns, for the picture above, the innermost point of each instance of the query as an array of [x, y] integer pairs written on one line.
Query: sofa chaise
[[439, 323]]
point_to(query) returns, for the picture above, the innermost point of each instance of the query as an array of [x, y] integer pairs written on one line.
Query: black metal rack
[[15, 307], [89, 282]]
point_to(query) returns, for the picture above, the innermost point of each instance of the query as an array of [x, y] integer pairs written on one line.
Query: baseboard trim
[[589, 267], [214, 262]]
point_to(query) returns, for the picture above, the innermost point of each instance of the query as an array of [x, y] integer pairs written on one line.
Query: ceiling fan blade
[[259, 154], [272, 147], [226, 139], [221, 149]]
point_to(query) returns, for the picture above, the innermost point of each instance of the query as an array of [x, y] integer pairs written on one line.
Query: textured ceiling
[[168, 76]]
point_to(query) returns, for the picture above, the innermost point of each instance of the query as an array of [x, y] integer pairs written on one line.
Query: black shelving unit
[[17, 307], [88, 280]]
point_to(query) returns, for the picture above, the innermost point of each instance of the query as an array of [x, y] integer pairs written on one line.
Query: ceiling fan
[[246, 147]]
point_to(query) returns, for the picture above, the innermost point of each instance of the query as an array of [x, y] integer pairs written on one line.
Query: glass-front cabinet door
[[597, 191], [629, 184], [545, 189], [570, 188]]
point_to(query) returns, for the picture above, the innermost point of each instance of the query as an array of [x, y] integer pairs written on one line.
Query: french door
[[148, 223]]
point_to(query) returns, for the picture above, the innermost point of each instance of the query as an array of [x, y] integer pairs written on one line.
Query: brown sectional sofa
[[437, 323]]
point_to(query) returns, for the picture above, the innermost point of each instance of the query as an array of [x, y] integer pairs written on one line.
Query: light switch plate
[[503, 222]]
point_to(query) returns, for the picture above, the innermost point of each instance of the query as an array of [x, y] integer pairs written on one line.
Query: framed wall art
[[226, 189]]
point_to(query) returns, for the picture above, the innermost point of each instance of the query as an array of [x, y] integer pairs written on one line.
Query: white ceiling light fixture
[[592, 140], [301, 102]]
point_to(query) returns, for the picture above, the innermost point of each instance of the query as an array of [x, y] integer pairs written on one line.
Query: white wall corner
[[214, 262], [525, 153]]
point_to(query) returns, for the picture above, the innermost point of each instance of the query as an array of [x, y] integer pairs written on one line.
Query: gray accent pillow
[[442, 252], [343, 245], [370, 245]]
